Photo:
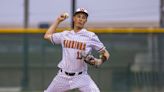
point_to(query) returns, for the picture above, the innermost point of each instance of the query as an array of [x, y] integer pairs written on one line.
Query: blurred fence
[[136, 63]]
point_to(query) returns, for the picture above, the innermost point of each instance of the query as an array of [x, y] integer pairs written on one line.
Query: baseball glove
[[88, 58]]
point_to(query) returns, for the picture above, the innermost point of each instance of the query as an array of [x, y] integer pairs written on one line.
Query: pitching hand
[[62, 17]]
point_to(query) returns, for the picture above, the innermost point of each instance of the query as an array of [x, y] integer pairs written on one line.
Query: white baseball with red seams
[[72, 44]]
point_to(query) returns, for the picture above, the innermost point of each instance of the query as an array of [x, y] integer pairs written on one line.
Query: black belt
[[70, 74]]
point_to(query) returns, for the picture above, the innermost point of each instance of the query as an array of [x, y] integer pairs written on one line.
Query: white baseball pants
[[63, 83]]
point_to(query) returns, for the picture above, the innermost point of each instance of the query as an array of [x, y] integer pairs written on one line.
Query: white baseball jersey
[[72, 43]]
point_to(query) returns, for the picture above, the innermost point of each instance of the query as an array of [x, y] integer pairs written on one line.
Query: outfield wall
[[98, 30], [136, 62]]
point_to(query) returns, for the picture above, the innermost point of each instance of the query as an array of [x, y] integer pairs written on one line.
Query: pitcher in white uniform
[[72, 72]]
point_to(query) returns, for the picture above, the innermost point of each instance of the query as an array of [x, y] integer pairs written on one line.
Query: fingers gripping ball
[[66, 15]]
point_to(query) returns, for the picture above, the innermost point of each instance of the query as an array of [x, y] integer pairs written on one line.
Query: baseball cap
[[81, 10]]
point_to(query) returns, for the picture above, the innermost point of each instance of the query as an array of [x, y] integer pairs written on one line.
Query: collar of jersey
[[80, 32]]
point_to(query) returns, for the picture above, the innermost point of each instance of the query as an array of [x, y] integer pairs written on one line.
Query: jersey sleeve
[[56, 38], [96, 43]]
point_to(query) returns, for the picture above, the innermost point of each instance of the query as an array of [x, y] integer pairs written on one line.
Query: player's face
[[79, 20]]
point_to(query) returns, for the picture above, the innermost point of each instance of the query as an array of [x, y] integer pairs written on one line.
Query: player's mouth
[[80, 23]]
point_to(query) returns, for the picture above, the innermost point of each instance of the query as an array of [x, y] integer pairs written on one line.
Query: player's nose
[[80, 20]]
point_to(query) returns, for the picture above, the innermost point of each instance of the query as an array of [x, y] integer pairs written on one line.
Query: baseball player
[[77, 45]]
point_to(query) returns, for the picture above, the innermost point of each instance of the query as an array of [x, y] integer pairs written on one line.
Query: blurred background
[[131, 30]]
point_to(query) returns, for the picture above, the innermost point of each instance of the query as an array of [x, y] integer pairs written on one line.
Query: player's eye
[[84, 17], [79, 16]]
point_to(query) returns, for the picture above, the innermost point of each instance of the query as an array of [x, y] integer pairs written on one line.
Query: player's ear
[[86, 20]]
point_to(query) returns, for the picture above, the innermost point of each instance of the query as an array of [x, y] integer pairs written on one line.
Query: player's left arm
[[103, 53], [103, 56], [90, 59], [98, 46]]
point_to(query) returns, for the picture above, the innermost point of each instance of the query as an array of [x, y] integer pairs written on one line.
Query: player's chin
[[80, 26]]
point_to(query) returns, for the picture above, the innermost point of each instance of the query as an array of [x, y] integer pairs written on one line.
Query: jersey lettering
[[74, 44]]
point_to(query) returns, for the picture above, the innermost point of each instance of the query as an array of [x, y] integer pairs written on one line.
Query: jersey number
[[78, 55]]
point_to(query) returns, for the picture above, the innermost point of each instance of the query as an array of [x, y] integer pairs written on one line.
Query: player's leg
[[59, 84], [88, 84]]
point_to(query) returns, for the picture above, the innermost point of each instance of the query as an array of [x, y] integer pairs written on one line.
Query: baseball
[[66, 14]]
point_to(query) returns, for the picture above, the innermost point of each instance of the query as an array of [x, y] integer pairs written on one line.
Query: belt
[[71, 74]]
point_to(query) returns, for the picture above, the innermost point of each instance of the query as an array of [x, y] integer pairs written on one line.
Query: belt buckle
[[70, 74]]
